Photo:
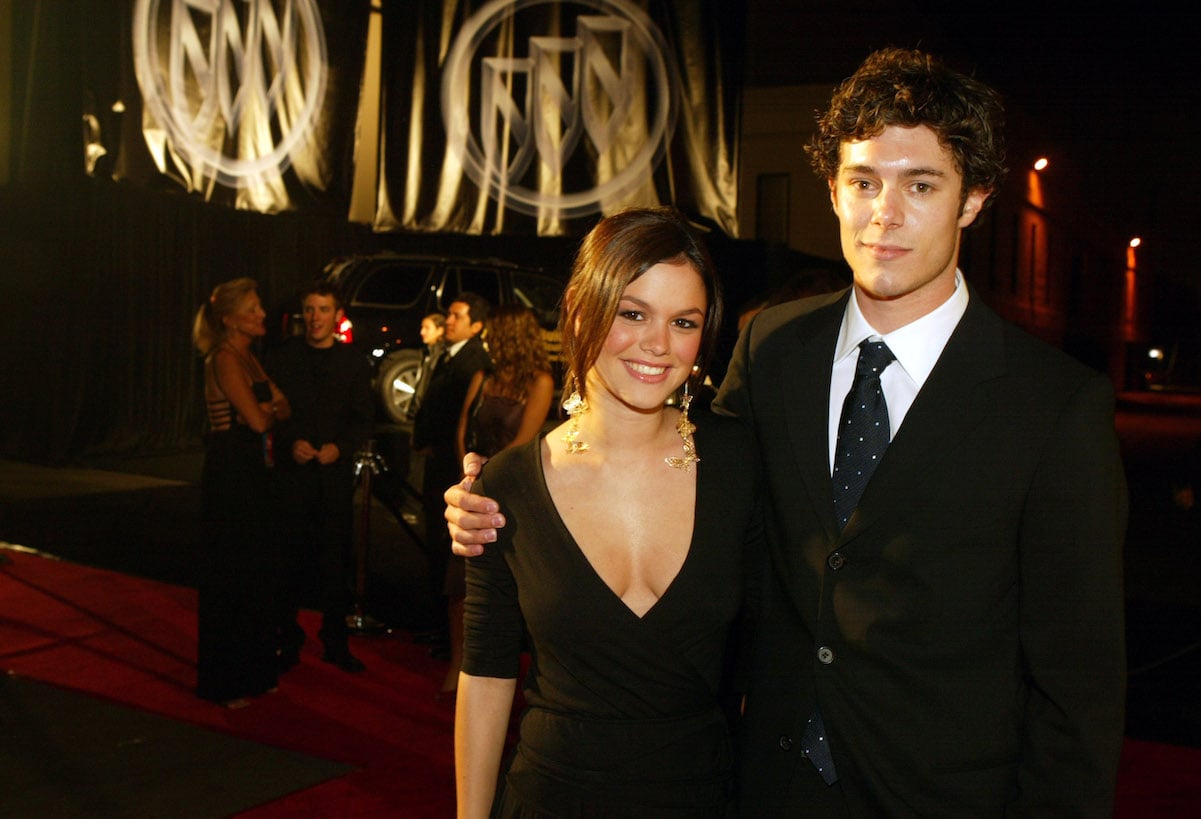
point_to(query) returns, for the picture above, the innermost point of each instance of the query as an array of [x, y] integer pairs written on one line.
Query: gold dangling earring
[[685, 428], [575, 406]]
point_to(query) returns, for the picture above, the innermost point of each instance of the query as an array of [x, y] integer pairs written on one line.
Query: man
[[951, 643], [434, 429], [329, 386]]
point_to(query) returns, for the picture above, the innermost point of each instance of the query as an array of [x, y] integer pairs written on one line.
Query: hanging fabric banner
[[519, 116], [246, 101], [461, 116]]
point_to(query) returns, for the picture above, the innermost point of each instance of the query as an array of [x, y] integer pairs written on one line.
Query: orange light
[[1041, 163], [1135, 242]]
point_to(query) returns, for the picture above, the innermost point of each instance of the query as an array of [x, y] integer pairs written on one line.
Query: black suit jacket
[[972, 608], [437, 418]]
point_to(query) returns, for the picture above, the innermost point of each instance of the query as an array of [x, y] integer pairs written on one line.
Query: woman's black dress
[[238, 565], [623, 715]]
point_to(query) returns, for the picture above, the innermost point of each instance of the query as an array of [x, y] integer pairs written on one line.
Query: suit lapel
[[806, 376], [946, 409]]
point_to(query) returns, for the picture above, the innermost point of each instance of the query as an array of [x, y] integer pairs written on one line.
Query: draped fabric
[[524, 115], [250, 104], [490, 116]]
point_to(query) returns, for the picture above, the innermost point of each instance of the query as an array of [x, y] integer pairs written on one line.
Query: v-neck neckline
[[587, 564]]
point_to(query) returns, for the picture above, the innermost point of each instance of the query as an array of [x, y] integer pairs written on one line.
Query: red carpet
[[131, 641]]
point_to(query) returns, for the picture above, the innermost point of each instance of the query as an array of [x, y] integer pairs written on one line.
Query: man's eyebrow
[[909, 172], [924, 172]]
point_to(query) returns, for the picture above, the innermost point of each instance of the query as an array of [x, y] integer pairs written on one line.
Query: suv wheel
[[398, 376]]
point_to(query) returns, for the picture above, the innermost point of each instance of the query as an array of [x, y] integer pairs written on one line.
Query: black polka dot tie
[[863, 430]]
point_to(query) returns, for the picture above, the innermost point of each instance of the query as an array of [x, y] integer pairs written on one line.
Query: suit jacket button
[[825, 655], [785, 743], [836, 561]]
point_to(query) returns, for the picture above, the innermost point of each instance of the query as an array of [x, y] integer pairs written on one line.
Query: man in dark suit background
[[958, 638], [434, 429], [329, 387]]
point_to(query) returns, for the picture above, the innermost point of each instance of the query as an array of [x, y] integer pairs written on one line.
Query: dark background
[[100, 280]]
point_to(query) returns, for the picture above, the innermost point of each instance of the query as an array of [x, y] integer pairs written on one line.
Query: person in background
[[623, 557], [238, 577], [329, 386], [433, 329], [951, 641], [433, 437], [503, 408]]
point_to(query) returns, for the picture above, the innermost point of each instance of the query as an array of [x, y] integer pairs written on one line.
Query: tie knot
[[874, 356]]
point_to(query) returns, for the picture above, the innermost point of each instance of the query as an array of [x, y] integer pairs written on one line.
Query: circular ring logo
[[235, 93], [597, 85]]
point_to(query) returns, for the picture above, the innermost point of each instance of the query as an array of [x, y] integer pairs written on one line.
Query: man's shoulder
[[795, 314], [473, 356], [349, 355], [285, 352], [1030, 357], [1022, 345]]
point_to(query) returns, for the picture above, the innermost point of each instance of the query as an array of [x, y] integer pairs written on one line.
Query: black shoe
[[344, 660]]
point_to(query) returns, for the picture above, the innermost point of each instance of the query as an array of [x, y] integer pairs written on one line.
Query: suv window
[[395, 284], [481, 281], [540, 294]]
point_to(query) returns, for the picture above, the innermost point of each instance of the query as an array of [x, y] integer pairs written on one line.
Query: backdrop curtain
[[531, 116]]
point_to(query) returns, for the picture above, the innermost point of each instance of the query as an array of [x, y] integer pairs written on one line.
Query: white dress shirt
[[917, 347]]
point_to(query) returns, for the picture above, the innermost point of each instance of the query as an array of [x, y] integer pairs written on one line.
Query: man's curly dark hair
[[908, 88]]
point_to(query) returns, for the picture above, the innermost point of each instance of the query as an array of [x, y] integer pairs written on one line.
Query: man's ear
[[972, 206], [833, 196]]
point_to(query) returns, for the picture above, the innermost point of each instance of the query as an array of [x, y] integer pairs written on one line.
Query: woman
[[622, 558], [236, 648], [508, 406], [504, 408], [433, 330]]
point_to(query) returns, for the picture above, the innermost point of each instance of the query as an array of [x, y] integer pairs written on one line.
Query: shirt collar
[[918, 344]]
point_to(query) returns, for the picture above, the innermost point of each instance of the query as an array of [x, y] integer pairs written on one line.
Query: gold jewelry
[[685, 428], [574, 406]]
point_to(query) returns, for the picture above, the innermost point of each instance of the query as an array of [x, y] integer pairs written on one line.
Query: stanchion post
[[367, 463]]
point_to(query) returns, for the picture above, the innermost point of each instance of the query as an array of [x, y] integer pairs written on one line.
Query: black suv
[[387, 294]]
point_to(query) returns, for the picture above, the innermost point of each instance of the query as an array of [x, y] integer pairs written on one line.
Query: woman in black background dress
[[239, 560]]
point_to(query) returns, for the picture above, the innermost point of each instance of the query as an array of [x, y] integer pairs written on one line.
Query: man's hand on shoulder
[[472, 519]]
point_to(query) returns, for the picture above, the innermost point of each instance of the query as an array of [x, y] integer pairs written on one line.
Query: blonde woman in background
[[239, 560]]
